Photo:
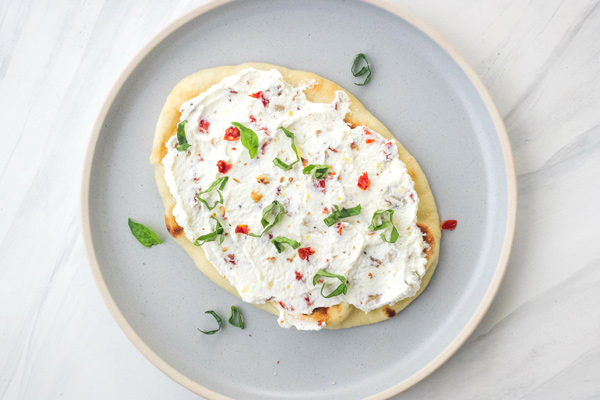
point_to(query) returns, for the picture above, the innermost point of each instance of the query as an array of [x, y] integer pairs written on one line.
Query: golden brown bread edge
[[341, 315]]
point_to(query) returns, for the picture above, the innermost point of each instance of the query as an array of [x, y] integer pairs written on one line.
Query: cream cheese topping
[[378, 273]]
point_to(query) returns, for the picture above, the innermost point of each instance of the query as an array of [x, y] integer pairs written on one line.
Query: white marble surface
[[541, 61]]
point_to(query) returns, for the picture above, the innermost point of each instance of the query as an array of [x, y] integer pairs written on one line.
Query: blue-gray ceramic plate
[[421, 89]]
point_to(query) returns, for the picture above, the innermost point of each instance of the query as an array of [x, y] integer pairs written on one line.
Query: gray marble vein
[[541, 62]]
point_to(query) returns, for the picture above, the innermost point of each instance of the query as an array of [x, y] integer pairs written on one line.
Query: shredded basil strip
[[219, 321], [211, 237], [341, 289], [235, 318], [183, 143], [380, 221], [143, 234], [364, 70], [280, 240], [249, 139], [343, 213], [280, 163], [267, 212], [318, 171], [221, 184]]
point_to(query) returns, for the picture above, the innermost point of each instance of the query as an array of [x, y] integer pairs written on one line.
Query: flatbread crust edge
[[342, 315]]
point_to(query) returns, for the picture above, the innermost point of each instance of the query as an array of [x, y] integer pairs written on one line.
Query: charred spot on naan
[[428, 238], [389, 311], [172, 226]]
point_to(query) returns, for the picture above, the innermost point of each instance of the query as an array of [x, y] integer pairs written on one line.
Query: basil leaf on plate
[[364, 70], [143, 234], [235, 318], [219, 321]]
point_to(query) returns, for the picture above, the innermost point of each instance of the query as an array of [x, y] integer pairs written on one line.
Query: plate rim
[[465, 332]]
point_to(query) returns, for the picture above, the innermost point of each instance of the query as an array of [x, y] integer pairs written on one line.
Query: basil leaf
[[249, 139], [268, 211], [219, 184], [280, 163], [341, 289], [318, 171], [364, 70], [219, 321], [183, 143], [235, 318], [143, 234], [280, 240], [343, 213], [380, 220], [219, 233]]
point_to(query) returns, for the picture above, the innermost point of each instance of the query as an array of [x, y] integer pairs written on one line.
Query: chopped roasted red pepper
[[366, 130], [307, 299], [368, 141], [299, 276], [252, 119], [223, 166], [242, 229], [305, 252], [364, 182], [261, 96], [203, 126], [449, 224], [232, 134], [322, 183]]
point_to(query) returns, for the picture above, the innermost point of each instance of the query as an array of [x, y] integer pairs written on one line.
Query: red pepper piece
[[232, 134], [242, 229], [223, 166], [449, 224], [364, 182], [203, 126], [305, 252], [261, 96]]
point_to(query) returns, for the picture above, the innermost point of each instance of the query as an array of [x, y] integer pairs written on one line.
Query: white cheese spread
[[363, 169]]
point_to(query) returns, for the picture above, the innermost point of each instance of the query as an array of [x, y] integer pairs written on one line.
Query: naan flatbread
[[338, 316]]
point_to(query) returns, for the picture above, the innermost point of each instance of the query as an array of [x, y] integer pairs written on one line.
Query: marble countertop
[[540, 60]]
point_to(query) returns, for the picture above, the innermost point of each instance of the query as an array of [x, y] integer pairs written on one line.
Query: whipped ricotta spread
[[364, 169]]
